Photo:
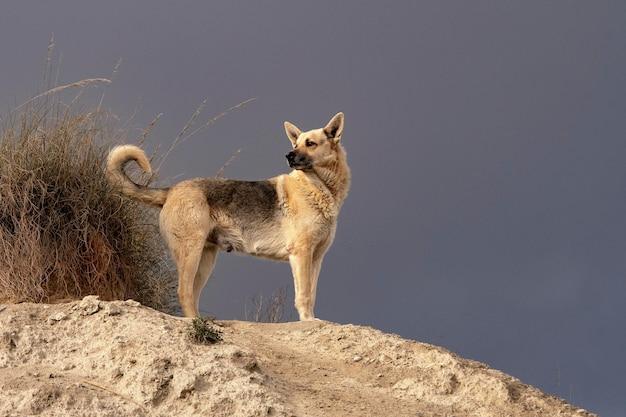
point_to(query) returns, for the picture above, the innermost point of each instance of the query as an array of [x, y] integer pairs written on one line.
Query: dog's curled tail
[[118, 158]]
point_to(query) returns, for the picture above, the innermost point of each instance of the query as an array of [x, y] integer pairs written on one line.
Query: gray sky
[[486, 139]]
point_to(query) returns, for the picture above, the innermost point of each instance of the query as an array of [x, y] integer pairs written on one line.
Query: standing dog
[[291, 217]]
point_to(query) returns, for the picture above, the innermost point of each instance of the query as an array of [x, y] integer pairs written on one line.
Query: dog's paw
[[309, 318]]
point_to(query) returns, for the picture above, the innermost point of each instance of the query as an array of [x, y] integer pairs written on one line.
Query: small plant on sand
[[202, 330]]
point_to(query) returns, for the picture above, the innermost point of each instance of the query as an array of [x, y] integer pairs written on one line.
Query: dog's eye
[[310, 144]]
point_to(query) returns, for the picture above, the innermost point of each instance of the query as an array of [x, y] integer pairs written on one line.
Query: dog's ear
[[334, 128], [292, 132]]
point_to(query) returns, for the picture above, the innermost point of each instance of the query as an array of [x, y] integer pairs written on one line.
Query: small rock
[[183, 383], [256, 379], [379, 376], [132, 303], [356, 358], [89, 305], [2, 308], [251, 366], [117, 373], [112, 310], [11, 339], [57, 317], [382, 358]]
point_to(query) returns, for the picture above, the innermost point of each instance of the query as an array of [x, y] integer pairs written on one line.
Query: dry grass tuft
[[201, 330], [64, 231]]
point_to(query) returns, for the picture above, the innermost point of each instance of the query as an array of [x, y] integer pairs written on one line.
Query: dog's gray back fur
[[250, 200]]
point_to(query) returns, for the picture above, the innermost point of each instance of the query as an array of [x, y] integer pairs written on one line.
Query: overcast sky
[[486, 140]]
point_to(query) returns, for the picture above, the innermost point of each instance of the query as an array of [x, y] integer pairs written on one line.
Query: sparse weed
[[270, 310], [202, 330]]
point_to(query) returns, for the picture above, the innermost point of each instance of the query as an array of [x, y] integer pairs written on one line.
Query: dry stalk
[[78, 84]]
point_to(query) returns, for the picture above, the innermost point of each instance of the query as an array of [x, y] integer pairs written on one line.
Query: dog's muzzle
[[297, 161]]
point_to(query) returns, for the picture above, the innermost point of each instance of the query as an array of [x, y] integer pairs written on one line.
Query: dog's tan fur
[[291, 217]]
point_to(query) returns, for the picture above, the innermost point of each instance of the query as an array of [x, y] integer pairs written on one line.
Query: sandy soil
[[95, 358]]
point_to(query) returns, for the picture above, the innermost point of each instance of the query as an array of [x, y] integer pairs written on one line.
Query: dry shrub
[[65, 232], [269, 310]]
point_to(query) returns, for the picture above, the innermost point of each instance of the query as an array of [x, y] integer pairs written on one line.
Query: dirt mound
[[96, 358]]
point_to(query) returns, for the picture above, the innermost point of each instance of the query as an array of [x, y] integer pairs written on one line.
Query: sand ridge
[[118, 358]]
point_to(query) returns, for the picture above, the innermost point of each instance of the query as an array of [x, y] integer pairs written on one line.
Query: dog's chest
[[309, 201]]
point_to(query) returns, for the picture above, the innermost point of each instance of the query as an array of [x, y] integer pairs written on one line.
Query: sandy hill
[[95, 358]]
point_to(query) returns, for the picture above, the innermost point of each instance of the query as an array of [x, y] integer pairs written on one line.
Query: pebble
[[117, 373], [113, 310], [57, 317], [89, 305], [356, 358]]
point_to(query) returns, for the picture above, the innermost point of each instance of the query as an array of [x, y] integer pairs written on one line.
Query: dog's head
[[317, 147]]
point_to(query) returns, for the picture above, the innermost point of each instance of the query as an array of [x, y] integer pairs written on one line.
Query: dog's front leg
[[302, 270], [317, 266]]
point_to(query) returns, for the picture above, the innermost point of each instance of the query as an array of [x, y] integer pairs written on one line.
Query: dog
[[290, 217]]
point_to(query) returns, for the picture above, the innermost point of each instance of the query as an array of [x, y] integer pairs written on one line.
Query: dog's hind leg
[[205, 268], [187, 262], [185, 222]]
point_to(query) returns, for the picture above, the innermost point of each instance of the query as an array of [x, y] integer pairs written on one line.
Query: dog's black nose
[[290, 156]]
